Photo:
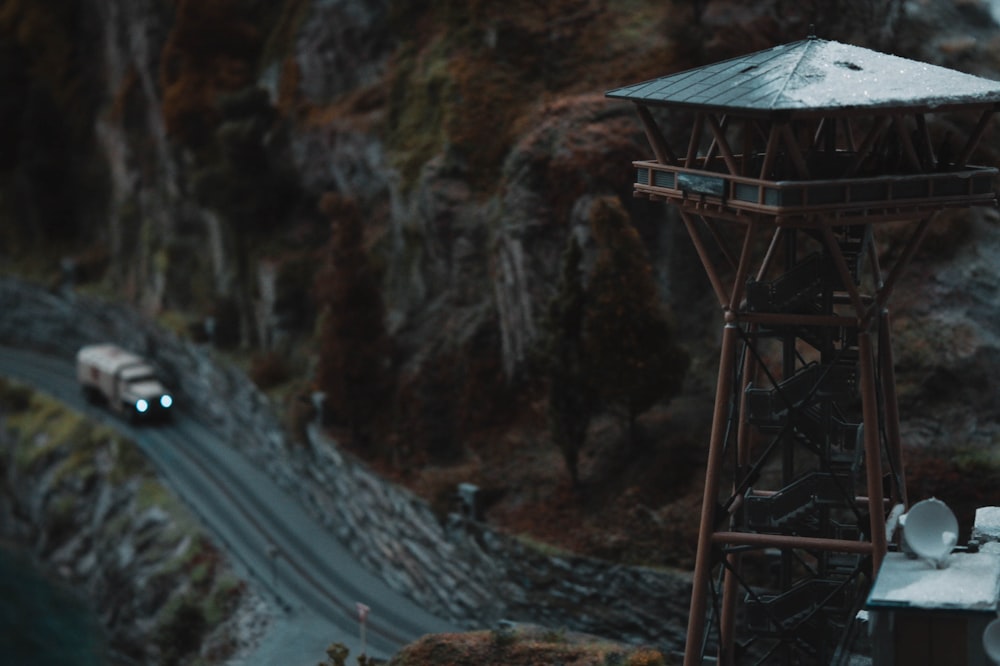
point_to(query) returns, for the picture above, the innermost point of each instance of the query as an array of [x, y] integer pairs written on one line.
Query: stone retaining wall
[[463, 570]]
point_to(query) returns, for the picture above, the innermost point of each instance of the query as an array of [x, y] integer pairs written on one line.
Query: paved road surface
[[290, 558]]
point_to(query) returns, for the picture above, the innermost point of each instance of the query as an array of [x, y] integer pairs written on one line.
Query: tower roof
[[815, 75]]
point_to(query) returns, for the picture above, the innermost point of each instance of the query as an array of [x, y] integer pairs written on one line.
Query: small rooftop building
[[927, 615], [784, 167]]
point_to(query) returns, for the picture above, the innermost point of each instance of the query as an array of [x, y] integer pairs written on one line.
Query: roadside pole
[[362, 621], [273, 552]]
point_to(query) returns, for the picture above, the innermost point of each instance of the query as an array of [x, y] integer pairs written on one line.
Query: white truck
[[127, 383]]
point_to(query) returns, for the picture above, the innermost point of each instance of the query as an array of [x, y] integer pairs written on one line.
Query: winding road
[[290, 558]]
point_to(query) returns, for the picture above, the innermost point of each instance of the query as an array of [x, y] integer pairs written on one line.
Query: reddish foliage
[[211, 50], [525, 646], [269, 369]]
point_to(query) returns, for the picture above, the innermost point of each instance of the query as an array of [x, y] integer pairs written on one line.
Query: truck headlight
[[166, 401], [141, 406]]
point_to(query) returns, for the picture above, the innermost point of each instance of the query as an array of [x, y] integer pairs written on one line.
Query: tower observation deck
[[795, 160]]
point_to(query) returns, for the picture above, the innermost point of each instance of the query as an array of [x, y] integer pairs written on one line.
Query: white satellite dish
[[991, 641], [931, 531]]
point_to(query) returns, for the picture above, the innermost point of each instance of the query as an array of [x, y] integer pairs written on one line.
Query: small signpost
[[273, 552], [362, 621]]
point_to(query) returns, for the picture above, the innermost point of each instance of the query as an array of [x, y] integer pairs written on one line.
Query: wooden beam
[[772, 248], [760, 130], [841, 265], [748, 152], [695, 141], [849, 133], [791, 541], [973, 140], [906, 143], [660, 148], [739, 282], [781, 319], [706, 260], [864, 151], [720, 241], [770, 152], [719, 135], [818, 134], [925, 148], [903, 262], [830, 135], [873, 453], [792, 148]]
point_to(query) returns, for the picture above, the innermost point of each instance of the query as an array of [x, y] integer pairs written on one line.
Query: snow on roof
[[970, 582], [814, 75]]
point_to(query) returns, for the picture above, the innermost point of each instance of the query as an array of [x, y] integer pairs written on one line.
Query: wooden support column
[[693, 143], [734, 561], [873, 453], [703, 556], [887, 372]]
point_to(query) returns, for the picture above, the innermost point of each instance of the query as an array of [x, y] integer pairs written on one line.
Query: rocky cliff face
[[474, 139]]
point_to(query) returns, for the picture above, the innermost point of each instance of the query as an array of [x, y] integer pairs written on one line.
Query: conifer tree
[[354, 347], [631, 357], [570, 397]]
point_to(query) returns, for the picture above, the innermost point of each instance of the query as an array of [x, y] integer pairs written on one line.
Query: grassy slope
[[49, 439]]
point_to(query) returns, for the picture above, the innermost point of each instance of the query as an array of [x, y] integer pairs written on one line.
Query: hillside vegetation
[[420, 209], [81, 499]]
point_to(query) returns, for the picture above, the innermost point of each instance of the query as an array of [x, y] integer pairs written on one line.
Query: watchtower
[[798, 158]]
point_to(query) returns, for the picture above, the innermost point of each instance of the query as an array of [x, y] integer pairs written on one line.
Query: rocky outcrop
[[469, 248], [395, 106], [344, 87], [462, 570], [472, 573], [85, 504]]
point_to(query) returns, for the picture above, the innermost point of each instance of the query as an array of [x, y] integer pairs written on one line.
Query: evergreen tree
[[354, 346], [630, 355], [570, 397]]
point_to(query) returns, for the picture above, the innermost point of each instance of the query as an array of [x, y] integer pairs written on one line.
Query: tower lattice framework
[[798, 163]]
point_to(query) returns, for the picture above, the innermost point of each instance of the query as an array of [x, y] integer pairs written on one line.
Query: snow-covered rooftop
[[970, 582], [987, 525], [815, 75]]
